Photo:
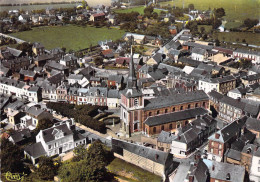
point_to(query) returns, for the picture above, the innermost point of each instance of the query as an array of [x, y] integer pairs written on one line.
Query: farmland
[[69, 36], [139, 9], [236, 11]]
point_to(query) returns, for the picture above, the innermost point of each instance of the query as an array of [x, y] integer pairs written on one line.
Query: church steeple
[[132, 81]]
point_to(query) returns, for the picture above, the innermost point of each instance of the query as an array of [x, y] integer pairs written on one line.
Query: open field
[[131, 172], [235, 10], [139, 9], [36, 7], [251, 38], [69, 36]]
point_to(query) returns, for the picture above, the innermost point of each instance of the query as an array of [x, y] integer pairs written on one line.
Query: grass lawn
[[208, 28], [131, 172], [235, 10], [251, 38], [139, 9], [69, 36]]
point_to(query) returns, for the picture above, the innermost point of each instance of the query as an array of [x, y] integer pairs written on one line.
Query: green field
[[235, 10], [130, 172], [139, 9], [251, 38], [69, 36]]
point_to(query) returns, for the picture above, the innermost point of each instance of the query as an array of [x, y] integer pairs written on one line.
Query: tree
[[98, 60], [219, 12], [249, 23], [202, 29], [11, 158], [217, 42], [46, 169], [155, 15], [80, 153], [148, 11], [191, 6], [90, 168]]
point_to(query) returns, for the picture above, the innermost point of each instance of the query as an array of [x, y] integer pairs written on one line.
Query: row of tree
[[82, 114]]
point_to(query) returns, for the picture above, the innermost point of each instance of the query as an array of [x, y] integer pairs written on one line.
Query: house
[[254, 174], [192, 135], [4, 72], [138, 38], [196, 171], [122, 62], [247, 54], [97, 17], [108, 53], [52, 65], [16, 64], [225, 172], [221, 84], [56, 140], [237, 93], [41, 59], [24, 18], [72, 79], [20, 137], [38, 48], [173, 30], [199, 54], [33, 115], [155, 161], [69, 61], [251, 79], [112, 19], [253, 125], [115, 81], [156, 59], [220, 141], [28, 75], [94, 81], [113, 99]]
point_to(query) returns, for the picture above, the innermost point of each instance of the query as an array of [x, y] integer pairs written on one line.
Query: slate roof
[[233, 154], [57, 78], [253, 124], [199, 51], [49, 134], [216, 95], [35, 150], [246, 51], [27, 73], [158, 57], [18, 136], [237, 172], [189, 61], [75, 77], [180, 98], [117, 78], [55, 65], [34, 111], [113, 94], [166, 137], [193, 44], [174, 116], [146, 152]]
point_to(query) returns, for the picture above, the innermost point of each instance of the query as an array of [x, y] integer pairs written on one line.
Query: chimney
[[191, 178], [217, 135]]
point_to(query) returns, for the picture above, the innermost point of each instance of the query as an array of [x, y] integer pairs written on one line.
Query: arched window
[[204, 104], [181, 108], [173, 109], [154, 129], [150, 113], [162, 127], [196, 105], [166, 110], [170, 127], [189, 106], [158, 112], [136, 102]]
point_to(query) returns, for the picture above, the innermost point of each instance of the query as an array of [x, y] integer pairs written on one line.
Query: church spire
[[132, 81]]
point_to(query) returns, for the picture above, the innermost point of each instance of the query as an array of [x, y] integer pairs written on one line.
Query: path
[[11, 37]]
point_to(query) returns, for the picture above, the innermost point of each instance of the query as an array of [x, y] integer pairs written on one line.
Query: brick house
[[222, 139]]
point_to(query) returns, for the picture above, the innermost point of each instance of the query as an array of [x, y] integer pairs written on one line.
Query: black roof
[[35, 150], [48, 134], [146, 152], [180, 98], [175, 116]]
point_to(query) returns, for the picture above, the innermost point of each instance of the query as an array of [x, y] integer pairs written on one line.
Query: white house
[[247, 54], [54, 141], [72, 79], [255, 167], [207, 85], [113, 99], [199, 54]]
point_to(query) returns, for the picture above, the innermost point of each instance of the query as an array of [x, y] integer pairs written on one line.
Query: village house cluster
[[198, 119]]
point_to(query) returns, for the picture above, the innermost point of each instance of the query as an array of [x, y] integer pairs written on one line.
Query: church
[[135, 109]]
